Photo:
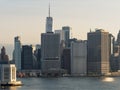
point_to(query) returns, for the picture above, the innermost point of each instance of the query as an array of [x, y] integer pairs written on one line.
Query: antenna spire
[[49, 9]]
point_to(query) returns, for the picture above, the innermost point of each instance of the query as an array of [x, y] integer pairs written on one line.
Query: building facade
[[78, 58], [50, 51], [17, 52], [37, 54], [66, 60], [27, 57], [98, 52], [66, 35], [118, 38], [7, 73]]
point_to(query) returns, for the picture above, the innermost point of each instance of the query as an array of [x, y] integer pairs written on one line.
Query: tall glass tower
[[49, 23], [66, 35], [17, 52]]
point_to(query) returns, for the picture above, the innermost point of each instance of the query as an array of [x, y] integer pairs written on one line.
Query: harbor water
[[68, 83]]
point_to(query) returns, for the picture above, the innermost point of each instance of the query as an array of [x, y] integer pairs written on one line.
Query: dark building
[[118, 38], [27, 57], [115, 59], [37, 54], [39, 58], [66, 35], [71, 40], [50, 53], [3, 54], [98, 53], [4, 59], [114, 63], [66, 60]]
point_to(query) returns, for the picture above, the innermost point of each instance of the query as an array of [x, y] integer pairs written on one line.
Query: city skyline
[[26, 18], [42, 39]]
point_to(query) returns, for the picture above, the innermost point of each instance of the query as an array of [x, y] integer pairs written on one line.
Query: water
[[69, 83]]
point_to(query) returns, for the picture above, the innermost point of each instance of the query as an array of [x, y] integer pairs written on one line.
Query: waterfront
[[69, 83]]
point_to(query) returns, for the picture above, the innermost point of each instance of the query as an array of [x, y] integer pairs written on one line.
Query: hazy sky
[[27, 18]]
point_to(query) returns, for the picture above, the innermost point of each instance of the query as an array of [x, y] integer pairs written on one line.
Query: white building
[[17, 52], [78, 58], [7, 73]]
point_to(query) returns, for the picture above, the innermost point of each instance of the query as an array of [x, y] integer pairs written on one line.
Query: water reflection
[[9, 88], [108, 79]]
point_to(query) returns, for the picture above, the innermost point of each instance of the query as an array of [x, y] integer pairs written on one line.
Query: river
[[69, 83]]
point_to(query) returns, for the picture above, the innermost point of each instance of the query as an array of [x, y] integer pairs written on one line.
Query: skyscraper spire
[[49, 22], [49, 9]]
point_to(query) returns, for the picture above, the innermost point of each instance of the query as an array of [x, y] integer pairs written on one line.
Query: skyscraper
[[61, 34], [78, 58], [4, 59], [118, 38], [49, 22], [37, 54], [66, 60], [98, 52], [27, 57], [3, 55], [17, 52], [50, 51], [66, 35]]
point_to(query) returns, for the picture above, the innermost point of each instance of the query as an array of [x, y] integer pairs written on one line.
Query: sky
[[27, 18]]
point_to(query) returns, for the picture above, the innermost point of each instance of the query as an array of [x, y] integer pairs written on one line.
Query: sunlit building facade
[[98, 56]]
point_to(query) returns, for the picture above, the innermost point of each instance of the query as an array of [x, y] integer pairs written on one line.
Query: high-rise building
[[17, 52], [49, 23], [37, 54], [118, 38], [50, 51], [3, 55], [72, 40], [78, 58], [62, 42], [98, 52], [61, 34], [27, 57], [115, 60], [66, 60], [66, 34], [115, 56], [4, 59]]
